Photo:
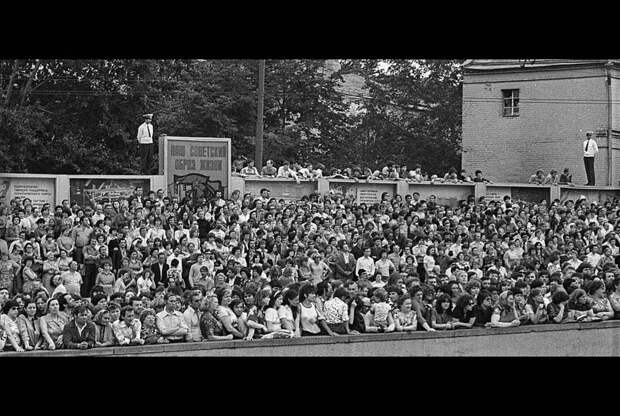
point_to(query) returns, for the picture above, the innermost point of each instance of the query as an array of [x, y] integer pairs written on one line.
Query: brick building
[[524, 115]]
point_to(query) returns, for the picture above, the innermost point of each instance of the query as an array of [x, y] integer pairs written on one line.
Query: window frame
[[510, 102]]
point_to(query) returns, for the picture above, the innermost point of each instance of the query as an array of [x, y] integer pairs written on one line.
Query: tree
[[412, 115], [81, 116]]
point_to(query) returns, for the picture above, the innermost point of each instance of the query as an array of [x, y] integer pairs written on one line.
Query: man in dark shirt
[[479, 178], [566, 177], [160, 270], [204, 226], [80, 332]]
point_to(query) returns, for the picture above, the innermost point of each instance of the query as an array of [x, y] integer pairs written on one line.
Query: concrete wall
[[574, 339], [280, 188], [599, 194], [556, 108], [368, 191], [446, 193]]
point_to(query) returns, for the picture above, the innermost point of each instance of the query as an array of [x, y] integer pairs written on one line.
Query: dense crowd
[[158, 269], [245, 167]]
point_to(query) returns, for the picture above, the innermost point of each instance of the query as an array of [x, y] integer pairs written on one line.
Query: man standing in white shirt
[[145, 141], [590, 149], [365, 262]]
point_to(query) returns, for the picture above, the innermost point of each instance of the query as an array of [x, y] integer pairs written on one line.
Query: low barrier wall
[[573, 339], [82, 188], [370, 192]]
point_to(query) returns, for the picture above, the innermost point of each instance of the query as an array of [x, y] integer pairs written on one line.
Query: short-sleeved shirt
[[210, 325], [272, 319], [601, 305], [285, 311], [380, 312], [72, 281], [335, 311]]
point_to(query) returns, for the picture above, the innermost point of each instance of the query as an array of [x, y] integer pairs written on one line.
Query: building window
[[510, 103]]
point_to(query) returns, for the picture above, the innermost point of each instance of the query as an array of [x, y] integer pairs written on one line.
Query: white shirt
[[592, 148], [367, 264], [288, 173], [145, 133]]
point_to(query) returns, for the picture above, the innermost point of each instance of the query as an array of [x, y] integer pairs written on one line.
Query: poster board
[[38, 190], [88, 192], [198, 165]]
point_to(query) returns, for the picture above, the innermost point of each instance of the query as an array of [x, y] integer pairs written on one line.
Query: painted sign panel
[[370, 193], [198, 165], [88, 192], [497, 193], [38, 190], [344, 189]]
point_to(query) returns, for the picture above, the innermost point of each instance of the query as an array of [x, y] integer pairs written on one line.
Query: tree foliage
[[81, 116]]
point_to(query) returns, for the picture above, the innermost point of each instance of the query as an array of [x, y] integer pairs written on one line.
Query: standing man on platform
[[590, 149], [145, 141]]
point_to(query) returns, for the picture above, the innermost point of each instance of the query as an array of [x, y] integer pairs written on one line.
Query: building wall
[[557, 107]]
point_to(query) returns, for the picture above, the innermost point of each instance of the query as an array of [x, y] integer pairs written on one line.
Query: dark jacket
[[157, 276], [71, 336], [341, 266]]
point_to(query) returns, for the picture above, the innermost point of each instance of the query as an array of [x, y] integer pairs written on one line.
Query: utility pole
[[258, 157], [610, 138]]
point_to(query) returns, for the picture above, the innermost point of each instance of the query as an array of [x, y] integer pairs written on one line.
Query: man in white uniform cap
[[590, 149], [145, 141]]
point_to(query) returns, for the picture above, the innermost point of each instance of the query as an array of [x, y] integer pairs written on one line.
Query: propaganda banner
[[199, 166]]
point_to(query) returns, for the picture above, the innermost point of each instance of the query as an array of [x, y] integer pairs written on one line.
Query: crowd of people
[[245, 167], [162, 269], [552, 178]]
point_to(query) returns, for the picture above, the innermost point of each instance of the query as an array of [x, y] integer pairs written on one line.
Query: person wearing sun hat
[[145, 142]]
